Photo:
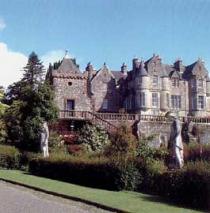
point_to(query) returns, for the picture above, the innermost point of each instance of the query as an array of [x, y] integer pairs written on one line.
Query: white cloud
[[52, 56], [2, 24], [11, 64]]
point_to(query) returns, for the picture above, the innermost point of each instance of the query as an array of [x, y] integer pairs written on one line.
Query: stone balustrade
[[104, 117]]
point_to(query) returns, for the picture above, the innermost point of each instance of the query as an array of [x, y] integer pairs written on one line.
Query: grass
[[124, 200]]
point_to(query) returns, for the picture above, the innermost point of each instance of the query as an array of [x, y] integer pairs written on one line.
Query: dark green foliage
[[131, 176], [31, 103], [100, 173], [123, 145], [94, 172], [189, 186], [9, 157], [33, 71], [3, 107], [93, 138], [56, 143], [195, 151], [150, 171]]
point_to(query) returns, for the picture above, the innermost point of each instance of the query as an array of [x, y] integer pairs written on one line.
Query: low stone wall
[[159, 131]]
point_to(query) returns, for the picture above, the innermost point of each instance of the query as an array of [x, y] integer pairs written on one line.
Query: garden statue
[[175, 141], [185, 131], [138, 127], [44, 139]]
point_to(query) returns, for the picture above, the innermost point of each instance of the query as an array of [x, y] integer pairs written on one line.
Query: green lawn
[[125, 200]]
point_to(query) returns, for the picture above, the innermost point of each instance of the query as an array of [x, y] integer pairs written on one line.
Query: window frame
[[175, 82], [105, 105], [176, 102], [155, 81], [142, 98], [155, 101], [200, 83], [201, 102]]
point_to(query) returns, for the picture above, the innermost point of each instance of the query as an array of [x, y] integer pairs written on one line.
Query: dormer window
[[175, 82], [155, 81], [200, 83]]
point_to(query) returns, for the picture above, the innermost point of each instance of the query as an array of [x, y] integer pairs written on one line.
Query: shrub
[[3, 133], [195, 151], [189, 186], [57, 143], [150, 171], [9, 157], [123, 144], [96, 172], [94, 138], [25, 158]]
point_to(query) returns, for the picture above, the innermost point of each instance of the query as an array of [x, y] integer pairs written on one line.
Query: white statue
[[175, 140], [138, 131], [44, 140]]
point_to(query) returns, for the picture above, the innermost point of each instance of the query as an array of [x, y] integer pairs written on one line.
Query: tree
[[31, 103], [3, 107], [33, 71]]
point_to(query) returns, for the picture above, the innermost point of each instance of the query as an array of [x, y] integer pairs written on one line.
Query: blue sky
[[111, 31]]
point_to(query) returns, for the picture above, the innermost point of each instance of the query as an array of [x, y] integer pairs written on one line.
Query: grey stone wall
[[72, 89], [103, 88]]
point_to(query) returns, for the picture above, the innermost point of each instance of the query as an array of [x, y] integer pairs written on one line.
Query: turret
[[178, 65], [124, 69], [136, 64], [208, 87], [142, 83], [89, 69]]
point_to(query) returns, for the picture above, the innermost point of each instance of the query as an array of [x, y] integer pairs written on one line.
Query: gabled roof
[[175, 74], [153, 58], [68, 66], [142, 71], [164, 71], [196, 69], [117, 74], [104, 68]]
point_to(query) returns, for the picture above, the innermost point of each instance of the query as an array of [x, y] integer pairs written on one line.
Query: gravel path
[[22, 200]]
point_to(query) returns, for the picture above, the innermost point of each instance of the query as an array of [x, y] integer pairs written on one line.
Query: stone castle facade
[[150, 87]]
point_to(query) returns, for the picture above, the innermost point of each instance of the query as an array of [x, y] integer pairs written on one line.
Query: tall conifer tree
[[31, 101]]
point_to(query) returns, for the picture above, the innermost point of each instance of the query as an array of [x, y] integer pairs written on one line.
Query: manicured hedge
[[189, 186], [99, 173], [9, 157]]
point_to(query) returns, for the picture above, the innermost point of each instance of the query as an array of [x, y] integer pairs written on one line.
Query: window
[[200, 83], [193, 83], [105, 104], [155, 81], [70, 104], [130, 103], [200, 102], [154, 99], [69, 83], [139, 80], [167, 100], [194, 102], [176, 101], [175, 82], [142, 99]]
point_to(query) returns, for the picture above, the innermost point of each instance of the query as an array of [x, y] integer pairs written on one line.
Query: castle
[[149, 88]]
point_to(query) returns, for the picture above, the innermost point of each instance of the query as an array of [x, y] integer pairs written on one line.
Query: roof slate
[[68, 66]]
